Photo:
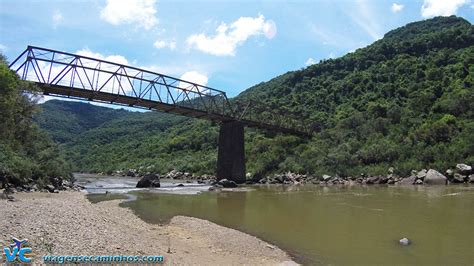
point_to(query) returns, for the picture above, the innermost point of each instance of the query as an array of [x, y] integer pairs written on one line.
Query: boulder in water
[[408, 181], [227, 183], [463, 169], [404, 241], [471, 178], [149, 180], [421, 174], [458, 178], [132, 172], [434, 177]]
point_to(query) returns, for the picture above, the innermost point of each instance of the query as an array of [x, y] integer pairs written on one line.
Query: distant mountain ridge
[[63, 118], [406, 101]]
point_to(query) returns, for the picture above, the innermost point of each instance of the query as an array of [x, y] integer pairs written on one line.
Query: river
[[334, 225]]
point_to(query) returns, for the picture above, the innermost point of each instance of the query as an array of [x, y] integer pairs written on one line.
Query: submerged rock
[[404, 241], [149, 180], [434, 177]]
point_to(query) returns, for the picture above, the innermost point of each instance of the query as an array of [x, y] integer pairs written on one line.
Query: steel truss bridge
[[81, 77]]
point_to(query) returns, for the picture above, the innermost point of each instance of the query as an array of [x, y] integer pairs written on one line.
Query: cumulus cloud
[[396, 8], [229, 37], [310, 61], [57, 17], [194, 77], [431, 8], [160, 44], [112, 58], [138, 12]]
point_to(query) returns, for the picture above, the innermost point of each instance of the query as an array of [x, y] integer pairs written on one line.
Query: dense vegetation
[[405, 101], [27, 154]]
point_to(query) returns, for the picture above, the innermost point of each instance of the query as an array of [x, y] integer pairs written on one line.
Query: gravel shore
[[68, 224]]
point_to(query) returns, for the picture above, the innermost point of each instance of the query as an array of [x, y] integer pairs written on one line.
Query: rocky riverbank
[[66, 223], [461, 173]]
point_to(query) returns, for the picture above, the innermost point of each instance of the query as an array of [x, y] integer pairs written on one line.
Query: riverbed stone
[[421, 174], [404, 241], [458, 178], [50, 188], [149, 180], [463, 169], [450, 172], [471, 178], [132, 172], [373, 180], [227, 183], [418, 182], [326, 177], [434, 177], [383, 180]]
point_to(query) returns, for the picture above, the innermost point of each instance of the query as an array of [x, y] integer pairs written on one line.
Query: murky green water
[[338, 225]]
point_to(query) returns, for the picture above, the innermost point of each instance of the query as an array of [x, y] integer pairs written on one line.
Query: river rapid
[[334, 225]]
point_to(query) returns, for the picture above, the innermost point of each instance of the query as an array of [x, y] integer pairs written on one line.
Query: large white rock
[[434, 177], [463, 169]]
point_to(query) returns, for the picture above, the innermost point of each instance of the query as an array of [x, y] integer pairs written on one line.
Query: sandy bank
[[68, 224]]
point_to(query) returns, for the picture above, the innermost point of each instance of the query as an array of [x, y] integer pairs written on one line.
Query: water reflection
[[233, 201]]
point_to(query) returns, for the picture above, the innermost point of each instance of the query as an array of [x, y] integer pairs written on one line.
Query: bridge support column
[[231, 155]]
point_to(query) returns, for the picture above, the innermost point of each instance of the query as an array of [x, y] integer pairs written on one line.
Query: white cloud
[[229, 37], [396, 8], [310, 61], [431, 8], [364, 16], [139, 12], [112, 58], [160, 44], [194, 77], [57, 17]]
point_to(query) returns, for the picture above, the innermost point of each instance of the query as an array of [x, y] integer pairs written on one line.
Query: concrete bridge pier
[[231, 154]]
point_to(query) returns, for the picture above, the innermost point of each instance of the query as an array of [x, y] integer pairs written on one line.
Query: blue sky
[[228, 45]]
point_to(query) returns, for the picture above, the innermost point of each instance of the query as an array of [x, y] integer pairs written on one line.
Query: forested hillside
[[405, 101], [27, 155]]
